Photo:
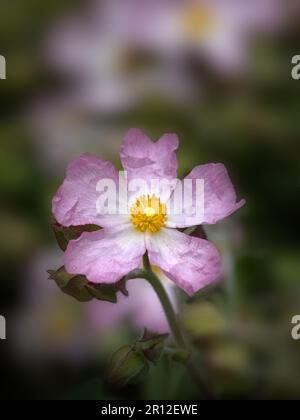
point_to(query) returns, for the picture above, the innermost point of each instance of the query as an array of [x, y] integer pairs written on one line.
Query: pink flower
[[101, 57], [105, 256], [220, 31]]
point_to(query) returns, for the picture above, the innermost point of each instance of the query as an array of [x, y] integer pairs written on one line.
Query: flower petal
[[190, 262], [142, 158], [219, 197], [75, 203], [107, 255]]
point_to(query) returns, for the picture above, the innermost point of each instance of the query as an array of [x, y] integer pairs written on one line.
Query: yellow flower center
[[197, 21], [148, 214]]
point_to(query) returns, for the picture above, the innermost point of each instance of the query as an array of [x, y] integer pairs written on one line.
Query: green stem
[[174, 327], [165, 302]]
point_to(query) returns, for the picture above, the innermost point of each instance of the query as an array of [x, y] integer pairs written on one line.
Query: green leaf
[[81, 289], [65, 234], [73, 285], [107, 292], [127, 365], [60, 276]]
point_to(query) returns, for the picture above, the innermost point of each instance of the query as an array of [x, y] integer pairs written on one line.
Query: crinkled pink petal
[[107, 255], [190, 262], [75, 203], [219, 197], [142, 158]]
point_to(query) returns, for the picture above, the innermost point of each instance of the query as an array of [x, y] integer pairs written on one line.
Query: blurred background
[[218, 73]]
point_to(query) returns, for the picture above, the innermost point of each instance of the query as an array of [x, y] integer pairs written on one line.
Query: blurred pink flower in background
[[118, 54], [142, 307], [120, 51], [216, 30], [108, 67], [50, 325], [61, 129]]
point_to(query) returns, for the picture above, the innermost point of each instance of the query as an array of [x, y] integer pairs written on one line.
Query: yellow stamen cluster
[[148, 214]]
